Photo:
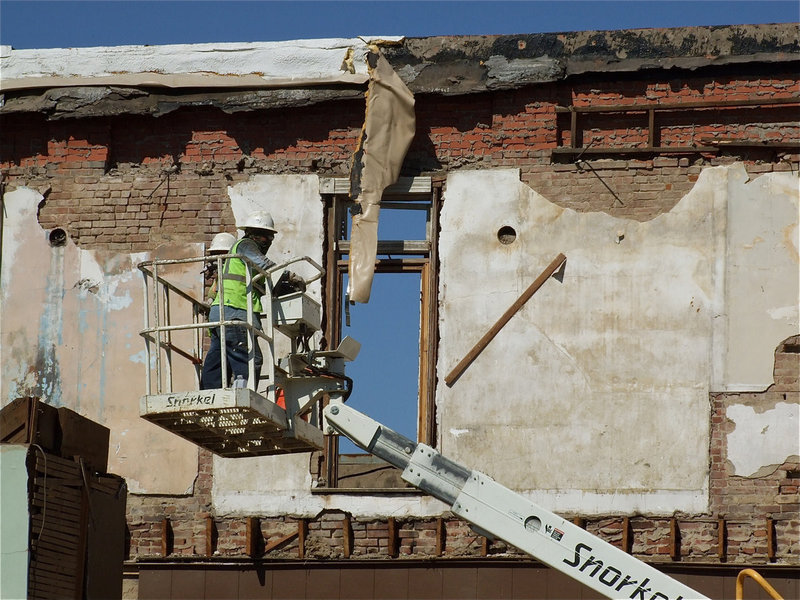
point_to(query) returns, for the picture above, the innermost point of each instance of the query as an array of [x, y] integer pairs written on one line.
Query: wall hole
[[57, 237], [506, 235]]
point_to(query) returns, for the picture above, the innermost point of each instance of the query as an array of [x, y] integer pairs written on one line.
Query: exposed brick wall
[[129, 183], [186, 530], [748, 502]]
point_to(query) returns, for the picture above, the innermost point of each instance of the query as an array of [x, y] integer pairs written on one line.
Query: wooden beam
[[674, 539], [486, 543], [397, 247], [441, 536], [302, 533], [404, 185], [167, 538], [573, 129], [280, 542], [253, 537], [722, 539], [347, 536], [512, 310], [627, 535], [616, 108], [211, 536], [636, 150], [393, 547], [770, 539]]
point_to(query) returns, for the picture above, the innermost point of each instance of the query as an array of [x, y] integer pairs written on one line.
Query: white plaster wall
[[762, 292], [69, 334], [594, 397], [762, 439]]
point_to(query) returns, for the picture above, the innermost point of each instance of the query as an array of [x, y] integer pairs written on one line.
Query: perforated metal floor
[[231, 422]]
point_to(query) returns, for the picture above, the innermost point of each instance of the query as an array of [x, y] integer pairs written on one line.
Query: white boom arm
[[497, 512]]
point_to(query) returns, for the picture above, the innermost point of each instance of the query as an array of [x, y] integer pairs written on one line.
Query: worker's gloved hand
[[289, 283], [297, 282]]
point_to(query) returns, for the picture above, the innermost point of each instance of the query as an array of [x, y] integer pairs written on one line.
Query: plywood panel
[[189, 585], [155, 584], [289, 584], [357, 584], [222, 585], [495, 583], [257, 584], [424, 583], [323, 584], [459, 584], [391, 584]]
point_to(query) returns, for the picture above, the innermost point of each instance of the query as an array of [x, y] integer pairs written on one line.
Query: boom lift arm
[[497, 512]]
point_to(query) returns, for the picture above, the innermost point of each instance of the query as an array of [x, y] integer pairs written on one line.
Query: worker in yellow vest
[[259, 231]]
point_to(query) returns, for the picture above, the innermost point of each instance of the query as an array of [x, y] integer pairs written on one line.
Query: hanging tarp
[[388, 129]]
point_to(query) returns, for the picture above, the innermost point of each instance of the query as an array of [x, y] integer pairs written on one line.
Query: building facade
[[650, 392]]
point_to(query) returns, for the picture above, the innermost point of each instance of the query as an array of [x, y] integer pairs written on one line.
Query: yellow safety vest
[[234, 284]]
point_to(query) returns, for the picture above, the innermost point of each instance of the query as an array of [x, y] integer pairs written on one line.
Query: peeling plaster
[[762, 439], [80, 307], [608, 403]]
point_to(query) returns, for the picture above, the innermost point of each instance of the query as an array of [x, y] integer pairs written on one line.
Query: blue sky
[[385, 372], [35, 24]]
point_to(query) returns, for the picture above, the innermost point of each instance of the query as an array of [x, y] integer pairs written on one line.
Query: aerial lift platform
[[281, 414], [280, 418]]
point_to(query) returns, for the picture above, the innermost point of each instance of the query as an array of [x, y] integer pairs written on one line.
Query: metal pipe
[[744, 573]]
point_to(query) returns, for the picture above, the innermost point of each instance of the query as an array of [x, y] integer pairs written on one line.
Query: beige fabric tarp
[[388, 129]]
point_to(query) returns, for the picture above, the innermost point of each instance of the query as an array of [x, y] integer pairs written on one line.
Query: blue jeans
[[235, 352]]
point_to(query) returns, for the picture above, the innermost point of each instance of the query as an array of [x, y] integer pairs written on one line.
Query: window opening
[[394, 374], [386, 373]]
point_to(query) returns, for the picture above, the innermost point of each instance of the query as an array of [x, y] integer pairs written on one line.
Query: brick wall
[[128, 183]]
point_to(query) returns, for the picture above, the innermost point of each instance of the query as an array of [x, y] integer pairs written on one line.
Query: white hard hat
[[259, 220], [222, 242]]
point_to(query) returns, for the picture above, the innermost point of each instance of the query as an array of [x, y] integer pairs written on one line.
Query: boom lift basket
[[238, 421]]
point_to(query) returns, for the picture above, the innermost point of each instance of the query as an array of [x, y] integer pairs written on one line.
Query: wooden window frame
[[415, 256]]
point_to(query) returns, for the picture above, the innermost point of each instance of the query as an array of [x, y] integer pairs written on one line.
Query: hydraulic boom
[[497, 512]]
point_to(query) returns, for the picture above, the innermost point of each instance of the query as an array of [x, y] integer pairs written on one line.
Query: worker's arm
[[249, 249]]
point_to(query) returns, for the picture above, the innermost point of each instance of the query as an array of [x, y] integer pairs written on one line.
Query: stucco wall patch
[[84, 309], [762, 440], [600, 383]]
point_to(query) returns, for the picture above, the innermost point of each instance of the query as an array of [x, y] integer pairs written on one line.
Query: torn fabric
[[389, 126]]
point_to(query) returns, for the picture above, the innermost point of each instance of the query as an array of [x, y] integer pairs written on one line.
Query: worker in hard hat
[[259, 231]]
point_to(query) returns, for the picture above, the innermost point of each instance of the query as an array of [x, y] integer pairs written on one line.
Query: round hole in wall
[[506, 234], [57, 237]]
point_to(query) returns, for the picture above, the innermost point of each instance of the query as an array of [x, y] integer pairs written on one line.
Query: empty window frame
[[405, 272]]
